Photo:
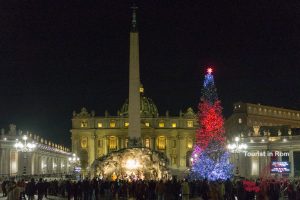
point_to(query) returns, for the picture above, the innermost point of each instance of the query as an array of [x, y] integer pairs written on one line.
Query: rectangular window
[[161, 143], [161, 124], [100, 125], [190, 124], [240, 120], [174, 125], [112, 124], [147, 124]]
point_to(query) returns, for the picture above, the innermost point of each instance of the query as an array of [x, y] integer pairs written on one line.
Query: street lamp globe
[[237, 148], [25, 146]]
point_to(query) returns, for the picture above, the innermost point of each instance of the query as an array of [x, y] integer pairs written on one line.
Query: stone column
[[182, 152], [96, 145], [91, 149], [291, 159], [1, 160], [153, 143], [168, 149], [105, 143]]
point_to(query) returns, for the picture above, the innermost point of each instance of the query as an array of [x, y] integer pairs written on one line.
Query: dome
[[147, 106]]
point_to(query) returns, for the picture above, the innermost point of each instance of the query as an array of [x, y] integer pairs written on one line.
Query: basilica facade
[[95, 136]]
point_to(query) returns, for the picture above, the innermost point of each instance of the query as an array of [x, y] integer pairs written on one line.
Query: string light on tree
[[210, 157]]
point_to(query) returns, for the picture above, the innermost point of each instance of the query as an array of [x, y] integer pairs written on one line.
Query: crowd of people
[[96, 189]]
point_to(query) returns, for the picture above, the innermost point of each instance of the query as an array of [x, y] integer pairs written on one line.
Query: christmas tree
[[210, 158]]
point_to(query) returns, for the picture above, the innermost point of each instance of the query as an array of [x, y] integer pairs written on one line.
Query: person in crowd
[[160, 190], [30, 189], [40, 187], [12, 192], [21, 189], [185, 189], [228, 190], [3, 187], [46, 185], [205, 190], [69, 189]]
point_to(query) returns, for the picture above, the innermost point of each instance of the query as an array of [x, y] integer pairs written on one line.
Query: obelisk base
[[134, 142]]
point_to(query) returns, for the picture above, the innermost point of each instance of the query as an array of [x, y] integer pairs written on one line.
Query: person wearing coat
[[185, 190], [30, 189]]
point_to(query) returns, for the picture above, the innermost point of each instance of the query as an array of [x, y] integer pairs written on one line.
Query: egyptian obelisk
[[134, 129]]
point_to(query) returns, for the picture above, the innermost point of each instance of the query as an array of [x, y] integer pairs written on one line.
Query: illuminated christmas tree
[[210, 158]]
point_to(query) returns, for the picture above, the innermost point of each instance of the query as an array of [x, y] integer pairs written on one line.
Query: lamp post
[[74, 162], [236, 147], [25, 147]]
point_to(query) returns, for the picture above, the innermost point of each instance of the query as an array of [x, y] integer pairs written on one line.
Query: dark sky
[[57, 56]]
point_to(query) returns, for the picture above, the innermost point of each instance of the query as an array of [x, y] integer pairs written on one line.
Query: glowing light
[[73, 159], [209, 70], [24, 137], [237, 139], [132, 164]]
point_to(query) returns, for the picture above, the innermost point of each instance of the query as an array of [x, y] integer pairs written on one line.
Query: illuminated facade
[[47, 158], [247, 118], [266, 130], [172, 135], [95, 136]]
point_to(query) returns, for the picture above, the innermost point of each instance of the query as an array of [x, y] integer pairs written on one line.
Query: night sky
[[58, 56]]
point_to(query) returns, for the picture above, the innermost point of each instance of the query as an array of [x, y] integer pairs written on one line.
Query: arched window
[[112, 143], [189, 143], [188, 159], [147, 142]]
